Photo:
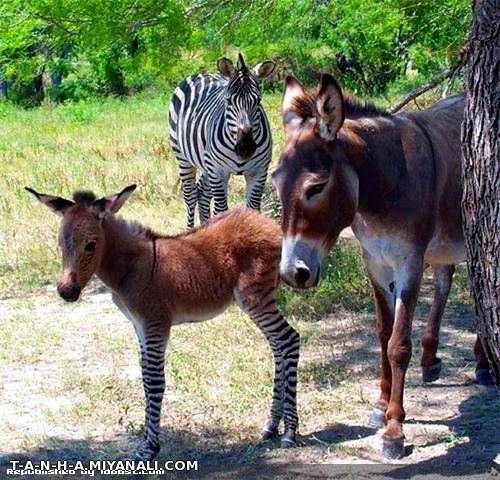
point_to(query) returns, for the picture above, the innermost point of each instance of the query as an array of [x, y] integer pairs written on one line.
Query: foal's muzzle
[[69, 291]]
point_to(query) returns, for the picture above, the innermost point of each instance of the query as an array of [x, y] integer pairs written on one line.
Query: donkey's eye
[[314, 190], [90, 247]]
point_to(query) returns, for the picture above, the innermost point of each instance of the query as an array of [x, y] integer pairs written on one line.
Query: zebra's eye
[[90, 247], [315, 190]]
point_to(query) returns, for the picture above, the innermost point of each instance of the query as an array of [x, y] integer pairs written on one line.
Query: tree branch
[[450, 73]]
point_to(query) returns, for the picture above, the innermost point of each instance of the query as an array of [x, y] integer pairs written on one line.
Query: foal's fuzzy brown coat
[[158, 281]]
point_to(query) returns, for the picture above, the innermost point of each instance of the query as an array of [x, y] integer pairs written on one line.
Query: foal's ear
[[109, 205], [329, 107], [225, 67], [56, 204], [292, 108], [264, 69]]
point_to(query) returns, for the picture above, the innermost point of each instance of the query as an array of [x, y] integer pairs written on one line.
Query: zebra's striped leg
[[218, 184], [153, 343], [204, 197], [285, 343], [189, 191], [255, 188]]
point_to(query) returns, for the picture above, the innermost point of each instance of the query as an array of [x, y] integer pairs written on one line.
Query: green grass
[[103, 146]]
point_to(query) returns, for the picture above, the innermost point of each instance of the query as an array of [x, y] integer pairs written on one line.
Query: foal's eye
[[90, 247], [314, 190]]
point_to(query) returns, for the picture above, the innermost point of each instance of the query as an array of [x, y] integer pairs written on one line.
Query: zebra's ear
[[264, 69], [329, 107], [225, 67]]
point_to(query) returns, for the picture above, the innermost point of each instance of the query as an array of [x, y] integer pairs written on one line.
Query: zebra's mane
[[243, 81]]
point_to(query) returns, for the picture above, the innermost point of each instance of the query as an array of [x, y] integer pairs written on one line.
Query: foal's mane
[[305, 106]]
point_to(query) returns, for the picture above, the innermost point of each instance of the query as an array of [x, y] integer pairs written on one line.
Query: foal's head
[[243, 99], [315, 180], [81, 236]]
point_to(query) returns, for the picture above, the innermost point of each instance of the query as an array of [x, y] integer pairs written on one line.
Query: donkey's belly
[[445, 251]]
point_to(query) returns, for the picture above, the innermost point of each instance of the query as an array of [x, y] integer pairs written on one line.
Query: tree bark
[[481, 175]]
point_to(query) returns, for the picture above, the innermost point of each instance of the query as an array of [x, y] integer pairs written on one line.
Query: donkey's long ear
[[56, 204], [330, 108], [294, 95], [225, 67], [109, 205], [264, 69]]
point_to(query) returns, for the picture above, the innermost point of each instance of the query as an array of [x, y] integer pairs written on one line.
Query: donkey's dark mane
[[84, 197], [305, 106]]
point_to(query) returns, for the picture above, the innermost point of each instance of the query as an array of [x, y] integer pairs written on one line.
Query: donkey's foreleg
[[483, 374], [431, 364], [384, 294], [408, 278], [153, 340]]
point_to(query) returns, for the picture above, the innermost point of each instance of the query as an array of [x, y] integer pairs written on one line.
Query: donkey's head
[[315, 181], [243, 99], [81, 235]]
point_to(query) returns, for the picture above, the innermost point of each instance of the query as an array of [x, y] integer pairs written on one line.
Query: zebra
[[218, 126]]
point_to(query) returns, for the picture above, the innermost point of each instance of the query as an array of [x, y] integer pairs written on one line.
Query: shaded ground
[[70, 389]]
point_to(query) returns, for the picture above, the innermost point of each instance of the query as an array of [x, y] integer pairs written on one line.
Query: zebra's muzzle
[[245, 144]]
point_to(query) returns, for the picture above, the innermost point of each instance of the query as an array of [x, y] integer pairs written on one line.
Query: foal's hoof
[[394, 448], [377, 419], [268, 433], [147, 451], [484, 377], [288, 439], [431, 374]]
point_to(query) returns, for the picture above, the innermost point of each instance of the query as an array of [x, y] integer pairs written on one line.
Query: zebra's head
[[243, 99]]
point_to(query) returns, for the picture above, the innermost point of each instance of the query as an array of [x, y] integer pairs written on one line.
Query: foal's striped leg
[[259, 302], [153, 343]]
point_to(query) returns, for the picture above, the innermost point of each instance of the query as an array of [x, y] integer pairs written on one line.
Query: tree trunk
[[481, 174]]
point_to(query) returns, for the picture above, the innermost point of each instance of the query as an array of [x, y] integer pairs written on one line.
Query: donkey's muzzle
[[69, 291], [300, 263], [245, 145]]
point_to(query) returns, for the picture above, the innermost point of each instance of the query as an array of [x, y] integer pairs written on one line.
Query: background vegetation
[[72, 49]]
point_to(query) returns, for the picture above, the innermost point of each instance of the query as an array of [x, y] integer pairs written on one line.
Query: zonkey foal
[[160, 281]]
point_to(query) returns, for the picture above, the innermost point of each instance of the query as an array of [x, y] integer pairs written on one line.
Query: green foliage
[[71, 49]]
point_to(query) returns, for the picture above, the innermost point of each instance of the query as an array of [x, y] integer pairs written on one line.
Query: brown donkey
[[159, 281], [396, 180]]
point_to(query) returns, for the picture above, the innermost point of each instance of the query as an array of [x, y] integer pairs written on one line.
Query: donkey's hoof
[[147, 451], [484, 377], [431, 374], [269, 433], [288, 439], [394, 448], [377, 419]]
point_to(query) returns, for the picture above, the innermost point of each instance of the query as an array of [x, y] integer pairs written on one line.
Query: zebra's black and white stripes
[[218, 126]]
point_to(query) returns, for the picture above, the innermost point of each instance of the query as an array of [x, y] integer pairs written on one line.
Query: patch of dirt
[[451, 423]]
